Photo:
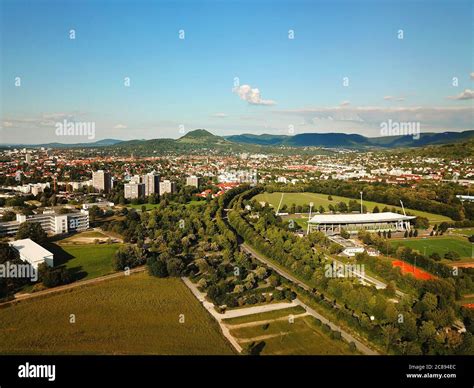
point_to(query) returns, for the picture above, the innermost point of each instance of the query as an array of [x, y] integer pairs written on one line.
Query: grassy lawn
[[149, 206], [303, 337], [322, 199], [265, 316], [137, 314], [465, 231], [441, 245], [85, 261]]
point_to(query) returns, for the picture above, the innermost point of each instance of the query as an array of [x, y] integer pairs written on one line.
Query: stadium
[[334, 223]]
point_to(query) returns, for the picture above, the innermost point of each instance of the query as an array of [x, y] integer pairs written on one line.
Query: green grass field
[[137, 314], [148, 206], [441, 245], [322, 199], [264, 316], [303, 337], [465, 231], [85, 261]]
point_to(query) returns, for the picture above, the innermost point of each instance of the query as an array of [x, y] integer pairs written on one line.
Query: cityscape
[[234, 191]]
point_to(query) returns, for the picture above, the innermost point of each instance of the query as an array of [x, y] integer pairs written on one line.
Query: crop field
[[440, 245], [278, 336], [135, 314], [322, 199], [85, 261]]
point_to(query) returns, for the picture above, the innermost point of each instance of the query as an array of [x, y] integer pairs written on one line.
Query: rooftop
[[358, 218], [28, 248]]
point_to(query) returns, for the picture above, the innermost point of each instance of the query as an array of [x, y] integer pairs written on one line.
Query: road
[[348, 337], [25, 296]]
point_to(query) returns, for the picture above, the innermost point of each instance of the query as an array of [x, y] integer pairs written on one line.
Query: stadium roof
[[358, 218]]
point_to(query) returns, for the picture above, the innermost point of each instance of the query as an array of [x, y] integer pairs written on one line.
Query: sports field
[[85, 261], [322, 200], [135, 314], [440, 245]]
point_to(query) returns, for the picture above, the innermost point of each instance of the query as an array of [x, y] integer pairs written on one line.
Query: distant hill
[[99, 143], [201, 136], [342, 140], [264, 140]]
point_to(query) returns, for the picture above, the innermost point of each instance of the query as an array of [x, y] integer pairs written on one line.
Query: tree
[[451, 255], [33, 231], [376, 209], [427, 331], [157, 267], [53, 277], [422, 223]]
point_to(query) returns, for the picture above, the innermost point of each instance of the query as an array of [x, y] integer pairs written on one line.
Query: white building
[[102, 181], [51, 222], [32, 253], [192, 181], [134, 190], [167, 187], [152, 183]]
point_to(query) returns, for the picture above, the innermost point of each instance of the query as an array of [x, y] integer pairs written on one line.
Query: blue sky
[[282, 83]]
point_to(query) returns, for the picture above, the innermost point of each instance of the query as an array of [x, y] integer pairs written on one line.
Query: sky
[[153, 69]]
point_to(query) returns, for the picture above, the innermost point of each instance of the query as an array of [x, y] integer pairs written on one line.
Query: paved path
[[80, 283], [348, 337], [366, 278], [210, 308]]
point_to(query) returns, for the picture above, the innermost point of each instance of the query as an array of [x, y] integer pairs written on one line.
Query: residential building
[[102, 181], [167, 187], [134, 190]]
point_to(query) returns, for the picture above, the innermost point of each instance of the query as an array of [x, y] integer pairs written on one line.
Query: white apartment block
[[192, 181], [51, 222], [167, 187]]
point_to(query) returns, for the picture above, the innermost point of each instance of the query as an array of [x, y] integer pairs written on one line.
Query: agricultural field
[[273, 334], [135, 314], [85, 261], [440, 245], [322, 199]]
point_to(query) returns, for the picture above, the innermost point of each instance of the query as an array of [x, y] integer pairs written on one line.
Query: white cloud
[[120, 126], [252, 96], [472, 75], [467, 94], [345, 103], [391, 98], [220, 115]]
